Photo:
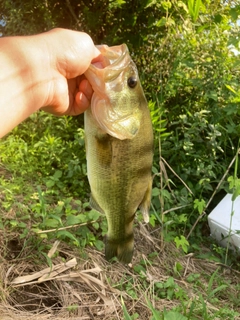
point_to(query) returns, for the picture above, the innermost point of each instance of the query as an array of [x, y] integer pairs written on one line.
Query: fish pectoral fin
[[146, 202], [94, 204], [102, 137]]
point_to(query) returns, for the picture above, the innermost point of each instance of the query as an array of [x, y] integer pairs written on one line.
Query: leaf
[[99, 245], [93, 215], [155, 192], [72, 220], [212, 95], [182, 242], [166, 5], [22, 225], [236, 193], [52, 223], [218, 289], [234, 13], [161, 22], [199, 205], [95, 225], [155, 313], [150, 3], [125, 312], [173, 315], [50, 183], [170, 283], [183, 5], [165, 194], [190, 6], [231, 182], [230, 88], [57, 218], [49, 260], [57, 174], [113, 4], [196, 9], [67, 234], [178, 267], [193, 8]]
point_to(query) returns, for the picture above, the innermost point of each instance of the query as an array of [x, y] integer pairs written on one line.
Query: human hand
[[44, 71], [70, 54]]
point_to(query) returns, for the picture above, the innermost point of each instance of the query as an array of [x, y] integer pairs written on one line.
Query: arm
[[44, 71]]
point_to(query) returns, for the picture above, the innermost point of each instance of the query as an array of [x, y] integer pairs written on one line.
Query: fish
[[119, 148]]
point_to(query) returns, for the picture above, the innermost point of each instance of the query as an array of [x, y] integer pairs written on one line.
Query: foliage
[[45, 194], [186, 55], [111, 22], [195, 84], [209, 289]]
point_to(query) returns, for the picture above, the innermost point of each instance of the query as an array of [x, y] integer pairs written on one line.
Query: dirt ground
[[88, 287]]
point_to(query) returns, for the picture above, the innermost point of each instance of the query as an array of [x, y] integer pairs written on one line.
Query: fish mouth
[[114, 61], [106, 79]]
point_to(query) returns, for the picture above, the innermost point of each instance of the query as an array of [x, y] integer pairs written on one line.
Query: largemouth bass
[[119, 148]]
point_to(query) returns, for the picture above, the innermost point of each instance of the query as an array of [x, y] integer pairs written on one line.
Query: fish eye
[[132, 82]]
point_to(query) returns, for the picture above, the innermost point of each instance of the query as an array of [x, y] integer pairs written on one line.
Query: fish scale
[[119, 150]]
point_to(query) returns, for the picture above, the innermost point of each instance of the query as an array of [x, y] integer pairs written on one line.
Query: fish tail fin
[[122, 249]]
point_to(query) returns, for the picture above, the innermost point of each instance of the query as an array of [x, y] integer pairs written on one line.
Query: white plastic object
[[219, 221]]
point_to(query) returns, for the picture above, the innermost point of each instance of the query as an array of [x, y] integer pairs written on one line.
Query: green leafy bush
[[184, 51]]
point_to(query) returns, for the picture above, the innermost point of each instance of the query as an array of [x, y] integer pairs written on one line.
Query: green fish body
[[119, 148]]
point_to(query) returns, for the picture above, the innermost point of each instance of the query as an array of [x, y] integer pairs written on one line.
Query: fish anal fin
[[94, 204], [146, 202]]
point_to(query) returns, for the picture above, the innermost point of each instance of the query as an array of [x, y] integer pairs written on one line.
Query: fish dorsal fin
[[93, 203]]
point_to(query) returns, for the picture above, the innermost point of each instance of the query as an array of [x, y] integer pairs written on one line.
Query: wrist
[[27, 68], [35, 72]]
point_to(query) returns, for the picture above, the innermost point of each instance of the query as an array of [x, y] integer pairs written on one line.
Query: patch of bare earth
[[92, 288]]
